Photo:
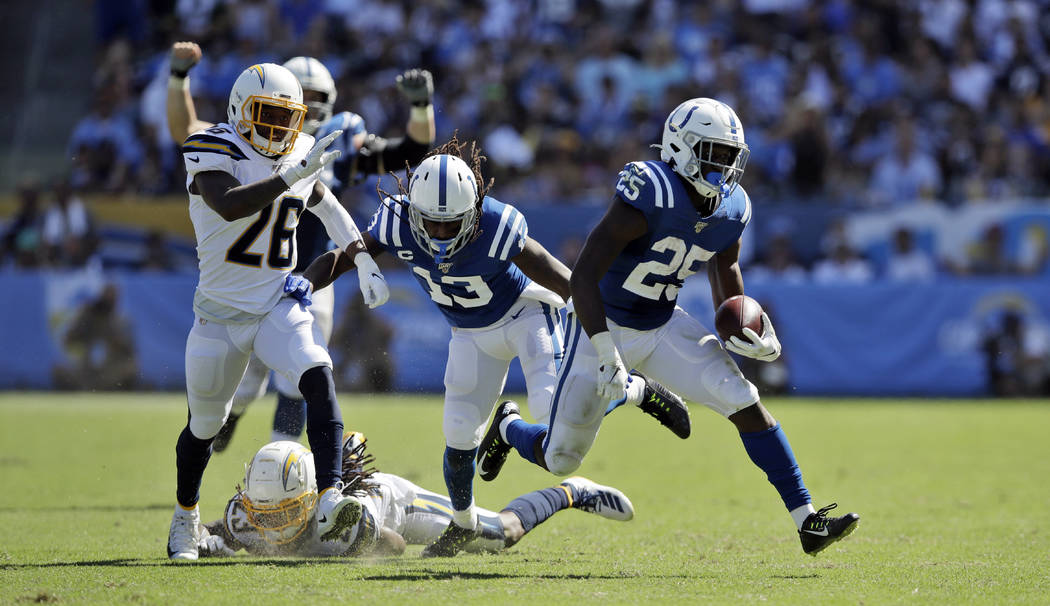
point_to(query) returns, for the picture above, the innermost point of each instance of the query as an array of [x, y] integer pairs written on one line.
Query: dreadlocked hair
[[472, 156], [357, 475]]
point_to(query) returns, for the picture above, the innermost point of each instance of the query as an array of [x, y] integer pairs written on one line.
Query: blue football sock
[[324, 425], [769, 449], [522, 436], [459, 476], [535, 507], [191, 457], [290, 416]]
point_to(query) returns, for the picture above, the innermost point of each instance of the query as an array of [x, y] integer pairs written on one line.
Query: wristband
[[421, 113], [178, 82]]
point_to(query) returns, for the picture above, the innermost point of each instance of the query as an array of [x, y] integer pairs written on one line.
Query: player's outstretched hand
[[765, 347], [612, 376], [184, 55], [373, 284], [300, 289], [416, 86], [314, 162], [212, 545]]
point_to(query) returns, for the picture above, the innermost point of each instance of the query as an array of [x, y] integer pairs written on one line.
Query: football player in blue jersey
[[361, 154], [499, 289], [666, 220]]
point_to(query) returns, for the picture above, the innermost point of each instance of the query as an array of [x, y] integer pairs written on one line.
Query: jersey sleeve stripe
[[499, 230], [383, 219], [210, 144], [746, 218], [518, 217], [395, 225], [665, 184], [658, 187]]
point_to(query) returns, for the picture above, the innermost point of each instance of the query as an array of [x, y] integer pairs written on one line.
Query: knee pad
[[205, 365], [463, 425], [205, 424], [562, 463]]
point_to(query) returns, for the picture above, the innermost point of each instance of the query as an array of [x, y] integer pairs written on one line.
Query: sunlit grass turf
[[953, 496]]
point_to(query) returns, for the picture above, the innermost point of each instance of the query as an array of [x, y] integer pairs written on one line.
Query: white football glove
[[373, 284], [212, 545], [314, 162], [612, 376], [765, 348]]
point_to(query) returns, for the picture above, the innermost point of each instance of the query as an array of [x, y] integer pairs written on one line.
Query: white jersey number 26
[[474, 285], [681, 261]]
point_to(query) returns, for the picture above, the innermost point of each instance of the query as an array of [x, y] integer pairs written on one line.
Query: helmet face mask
[[319, 92], [703, 141], [280, 491], [266, 108], [443, 205]]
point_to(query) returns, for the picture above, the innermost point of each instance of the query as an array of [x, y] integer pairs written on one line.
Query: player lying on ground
[[667, 218], [361, 154], [275, 513], [500, 291]]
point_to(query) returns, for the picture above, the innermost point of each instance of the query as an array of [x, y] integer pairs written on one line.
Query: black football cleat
[[450, 542], [493, 451], [665, 406], [222, 439], [819, 531]]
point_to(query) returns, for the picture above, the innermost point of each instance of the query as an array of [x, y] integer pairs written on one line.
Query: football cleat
[[451, 541], [493, 451], [184, 534], [606, 501], [665, 406], [222, 439], [336, 512], [819, 531]]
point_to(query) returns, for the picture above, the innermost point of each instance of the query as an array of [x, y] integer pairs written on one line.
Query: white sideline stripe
[[499, 230], [510, 237], [656, 186]]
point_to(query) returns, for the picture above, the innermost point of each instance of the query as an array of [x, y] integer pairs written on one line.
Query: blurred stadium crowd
[[884, 134]]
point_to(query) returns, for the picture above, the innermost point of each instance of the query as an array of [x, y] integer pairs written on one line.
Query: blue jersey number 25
[[683, 263]]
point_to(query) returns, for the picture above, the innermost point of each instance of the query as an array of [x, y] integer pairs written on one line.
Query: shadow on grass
[[102, 508], [414, 575]]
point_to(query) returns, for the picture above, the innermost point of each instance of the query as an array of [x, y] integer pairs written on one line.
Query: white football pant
[[217, 356], [478, 361], [681, 354], [257, 377]]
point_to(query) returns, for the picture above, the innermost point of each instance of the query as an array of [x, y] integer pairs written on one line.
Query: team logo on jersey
[[700, 225], [444, 267]]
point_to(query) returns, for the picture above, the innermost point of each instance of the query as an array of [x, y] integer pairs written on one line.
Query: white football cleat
[[184, 533], [605, 501], [336, 512]]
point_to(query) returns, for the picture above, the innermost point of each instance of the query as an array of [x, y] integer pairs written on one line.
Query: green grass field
[[953, 497]]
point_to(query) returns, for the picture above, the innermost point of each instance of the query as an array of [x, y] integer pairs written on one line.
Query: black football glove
[[416, 86]]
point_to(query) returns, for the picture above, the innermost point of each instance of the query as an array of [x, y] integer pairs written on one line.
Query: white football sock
[[799, 514], [503, 426], [468, 518]]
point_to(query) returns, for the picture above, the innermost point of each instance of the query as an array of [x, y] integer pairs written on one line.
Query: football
[[734, 314]]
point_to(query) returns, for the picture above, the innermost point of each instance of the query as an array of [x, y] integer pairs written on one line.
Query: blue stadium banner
[[878, 339]]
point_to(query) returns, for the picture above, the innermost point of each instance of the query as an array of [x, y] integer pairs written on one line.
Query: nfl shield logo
[[444, 267], [699, 226]]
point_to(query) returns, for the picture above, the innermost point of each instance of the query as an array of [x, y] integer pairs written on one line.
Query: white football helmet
[[280, 491], [443, 190], [313, 75], [703, 141], [266, 108]]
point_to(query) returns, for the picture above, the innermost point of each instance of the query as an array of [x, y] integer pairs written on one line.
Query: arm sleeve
[[337, 222]]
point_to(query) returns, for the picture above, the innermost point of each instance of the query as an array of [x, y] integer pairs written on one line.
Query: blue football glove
[[300, 289]]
